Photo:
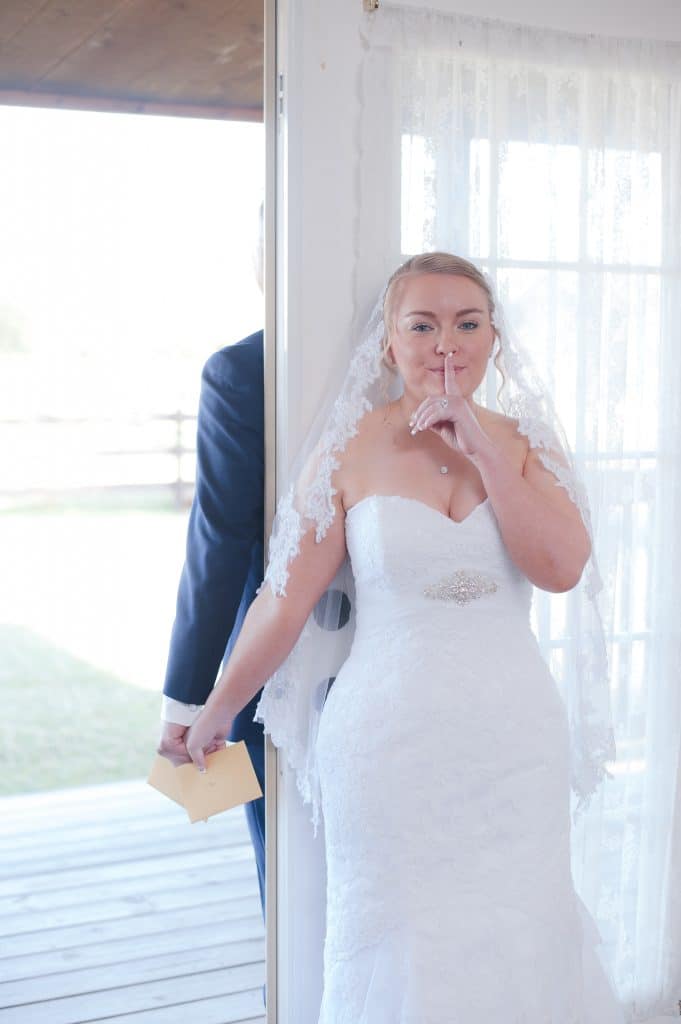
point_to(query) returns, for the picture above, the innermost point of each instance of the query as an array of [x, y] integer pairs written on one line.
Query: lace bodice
[[411, 561], [443, 758]]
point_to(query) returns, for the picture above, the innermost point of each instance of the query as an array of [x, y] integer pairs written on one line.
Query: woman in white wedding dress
[[443, 749]]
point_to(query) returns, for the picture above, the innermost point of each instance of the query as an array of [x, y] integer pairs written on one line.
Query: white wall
[[654, 19]]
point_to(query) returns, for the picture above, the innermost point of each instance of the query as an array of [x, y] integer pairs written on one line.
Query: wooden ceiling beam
[[140, 55], [118, 105]]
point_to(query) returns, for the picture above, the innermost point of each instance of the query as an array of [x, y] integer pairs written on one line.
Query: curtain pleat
[[554, 161]]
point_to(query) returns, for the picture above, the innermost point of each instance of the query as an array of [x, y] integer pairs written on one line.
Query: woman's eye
[[469, 325], [421, 328]]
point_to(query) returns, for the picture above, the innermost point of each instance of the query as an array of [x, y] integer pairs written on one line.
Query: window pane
[[479, 192], [538, 197], [542, 307], [624, 207], [418, 191]]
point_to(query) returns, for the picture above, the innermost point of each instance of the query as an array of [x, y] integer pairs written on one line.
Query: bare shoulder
[[374, 426], [373, 433], [503, 430], [496, 420]]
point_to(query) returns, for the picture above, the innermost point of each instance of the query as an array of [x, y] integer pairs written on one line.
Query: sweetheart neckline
[[417, 501]]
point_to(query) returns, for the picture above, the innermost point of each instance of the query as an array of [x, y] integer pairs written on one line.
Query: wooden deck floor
[[113, 907]]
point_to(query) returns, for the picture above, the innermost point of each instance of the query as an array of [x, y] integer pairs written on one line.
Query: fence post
[[178, 455]]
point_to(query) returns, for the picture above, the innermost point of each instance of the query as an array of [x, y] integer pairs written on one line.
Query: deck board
[[113, 907], [91, 910], [150, 968], [36, 964], [115, 836], [109, 871], [167, 881]]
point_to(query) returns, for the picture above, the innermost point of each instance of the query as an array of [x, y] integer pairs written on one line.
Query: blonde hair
[[434, 263]]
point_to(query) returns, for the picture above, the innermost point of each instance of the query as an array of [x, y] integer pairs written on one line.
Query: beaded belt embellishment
[[463, 586]]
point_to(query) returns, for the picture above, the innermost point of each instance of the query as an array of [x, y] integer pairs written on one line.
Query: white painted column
[[319, 54]]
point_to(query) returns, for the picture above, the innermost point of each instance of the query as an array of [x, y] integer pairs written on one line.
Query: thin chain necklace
[[444, 470]]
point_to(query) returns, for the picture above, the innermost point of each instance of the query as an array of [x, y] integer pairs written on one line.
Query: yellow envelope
[[163, 778], [229, 780]]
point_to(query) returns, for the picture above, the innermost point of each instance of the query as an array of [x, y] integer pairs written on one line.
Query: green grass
[[67, 723]]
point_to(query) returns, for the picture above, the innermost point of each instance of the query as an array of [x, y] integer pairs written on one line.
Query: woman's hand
[[450, 416], [206, 735]]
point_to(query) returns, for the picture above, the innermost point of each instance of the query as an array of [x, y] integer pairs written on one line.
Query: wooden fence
[[58, 458]]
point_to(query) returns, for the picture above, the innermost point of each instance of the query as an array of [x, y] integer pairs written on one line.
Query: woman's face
[[435, 314]]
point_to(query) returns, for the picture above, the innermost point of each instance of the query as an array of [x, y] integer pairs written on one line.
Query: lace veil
[[292, 700]]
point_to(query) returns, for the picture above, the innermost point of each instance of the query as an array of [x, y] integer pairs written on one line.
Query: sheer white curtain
[[555, 161]]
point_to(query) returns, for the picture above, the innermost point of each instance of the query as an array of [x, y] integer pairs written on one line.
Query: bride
[[442, 755]]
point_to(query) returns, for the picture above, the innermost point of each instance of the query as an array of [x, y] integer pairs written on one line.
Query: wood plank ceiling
[[188, 57]]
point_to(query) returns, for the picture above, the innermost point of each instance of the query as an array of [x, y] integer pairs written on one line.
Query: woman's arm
[[541, 526], [269, 632]]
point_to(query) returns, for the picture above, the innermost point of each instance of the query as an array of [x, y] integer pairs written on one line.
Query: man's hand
[[171, 743]]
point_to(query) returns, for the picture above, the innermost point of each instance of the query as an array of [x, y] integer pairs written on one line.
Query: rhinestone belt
[[462, 586]]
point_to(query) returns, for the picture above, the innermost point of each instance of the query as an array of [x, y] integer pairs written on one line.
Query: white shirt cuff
[[178, 713]]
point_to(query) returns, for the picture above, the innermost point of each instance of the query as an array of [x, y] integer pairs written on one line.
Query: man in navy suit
[[224, 559]]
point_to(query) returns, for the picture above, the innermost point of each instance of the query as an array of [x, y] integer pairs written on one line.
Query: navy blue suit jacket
[[224, 558]]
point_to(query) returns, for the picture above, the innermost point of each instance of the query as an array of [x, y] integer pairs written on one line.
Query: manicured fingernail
[[414, 431], [450, 355]]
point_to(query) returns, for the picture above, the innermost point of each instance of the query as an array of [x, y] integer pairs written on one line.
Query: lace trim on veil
[[292, 699], [588, 698], [315, 504]]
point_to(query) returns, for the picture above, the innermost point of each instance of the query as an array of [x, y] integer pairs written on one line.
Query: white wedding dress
[[443, 762]]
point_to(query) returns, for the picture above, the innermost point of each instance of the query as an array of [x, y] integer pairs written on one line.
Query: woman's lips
[[441, 372]]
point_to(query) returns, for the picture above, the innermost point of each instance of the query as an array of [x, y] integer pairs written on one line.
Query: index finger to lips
[[451, 386]]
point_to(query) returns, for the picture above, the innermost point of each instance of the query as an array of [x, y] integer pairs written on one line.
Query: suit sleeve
[[224, 524]]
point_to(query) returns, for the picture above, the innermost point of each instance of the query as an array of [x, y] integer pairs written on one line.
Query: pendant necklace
[[444, 470]]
